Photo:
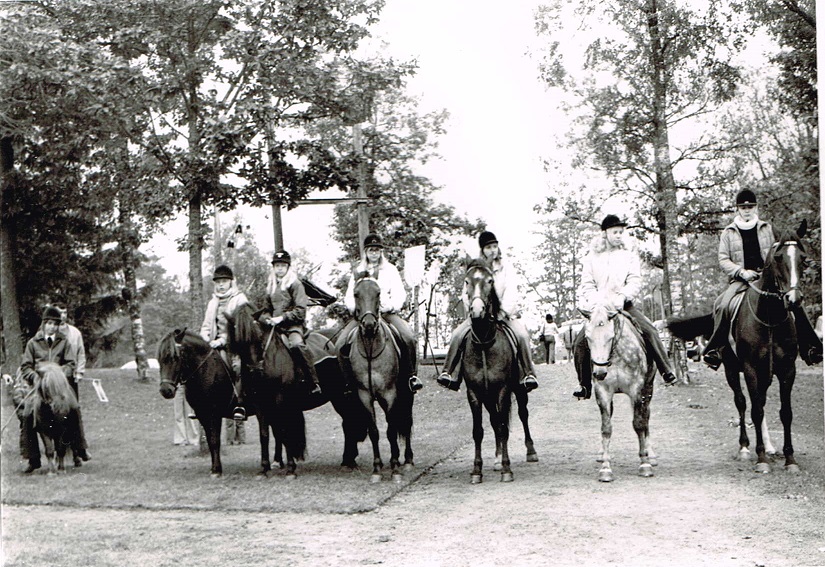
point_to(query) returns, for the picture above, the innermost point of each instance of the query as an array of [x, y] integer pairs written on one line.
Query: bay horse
[[53, 409], [375, 360], [620, 364], [765, 342], [490, 368], [282, 397], [186, 359]]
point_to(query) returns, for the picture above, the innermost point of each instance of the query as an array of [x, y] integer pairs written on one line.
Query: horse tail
[[402, 415], [54, 390], [688, 328], [295, 437]]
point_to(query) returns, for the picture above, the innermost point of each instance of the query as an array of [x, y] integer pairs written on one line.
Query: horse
[[53, 409], [375, 360], [765, 343], [490, 368], [188, 360], [620, 364], [282, 397]]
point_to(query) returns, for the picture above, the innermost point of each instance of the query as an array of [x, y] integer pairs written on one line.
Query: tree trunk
[[665, 184], [128, 247], [13, 340]]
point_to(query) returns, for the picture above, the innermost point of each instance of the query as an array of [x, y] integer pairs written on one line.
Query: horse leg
[[263, 433], [766, 437], [478, 435], [278, 455], [350, 444], [213, 440], [48, 447], [377, 464], [786, 415], [732, 376], [758, 381], [524, 414], [641, 423], [504, 434], [605, 401]]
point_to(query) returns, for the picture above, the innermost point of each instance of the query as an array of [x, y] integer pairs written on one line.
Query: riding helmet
[[612, 220], [51, 313], [281, 256], [486, 238], [372, 240], [745, 197], [223, 272]]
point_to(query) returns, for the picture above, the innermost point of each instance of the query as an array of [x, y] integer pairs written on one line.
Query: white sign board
[[414, 265]]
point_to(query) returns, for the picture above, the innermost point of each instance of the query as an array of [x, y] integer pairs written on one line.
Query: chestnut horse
[[53, 409]]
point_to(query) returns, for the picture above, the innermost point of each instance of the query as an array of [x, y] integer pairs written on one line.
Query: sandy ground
[[701, 508]]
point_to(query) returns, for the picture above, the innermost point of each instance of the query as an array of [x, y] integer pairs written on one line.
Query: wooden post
[[361, 207]]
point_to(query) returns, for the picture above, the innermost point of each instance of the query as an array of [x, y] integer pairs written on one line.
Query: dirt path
[[701, 508]]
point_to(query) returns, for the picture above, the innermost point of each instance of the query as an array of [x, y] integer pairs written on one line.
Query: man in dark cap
[[743, 247], [611, 275], [47, 345]]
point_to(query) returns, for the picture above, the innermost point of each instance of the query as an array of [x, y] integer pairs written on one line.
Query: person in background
[[47, 345], [393, 295], [612, 276], [78, 350], [286, 312], [507, 290], [743, 247], [226, 298], [547, 336], [185, 431]]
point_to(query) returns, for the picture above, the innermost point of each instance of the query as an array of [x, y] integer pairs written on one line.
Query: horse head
[[367, 293], [480, 290], [600, 332], [783, 266], [169, 361]]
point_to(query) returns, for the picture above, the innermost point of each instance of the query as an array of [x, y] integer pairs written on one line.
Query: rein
[[190, 374], [613, 342]]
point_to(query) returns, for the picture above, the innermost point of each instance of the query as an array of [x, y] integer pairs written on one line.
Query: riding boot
[[712, 355], [302, 356], [409, 364], [346, 369], [450, 362], [239, 412], [810, 345], [581, 360]]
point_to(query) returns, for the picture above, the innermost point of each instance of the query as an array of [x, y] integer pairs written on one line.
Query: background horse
[[186, 359], [490, 368], [764, 336], [620, 364], [282, 397], [375, 361], [53, 409]]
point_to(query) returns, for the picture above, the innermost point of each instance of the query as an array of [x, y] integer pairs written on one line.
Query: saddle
[[320, 348], [393, 334], [508, 333]]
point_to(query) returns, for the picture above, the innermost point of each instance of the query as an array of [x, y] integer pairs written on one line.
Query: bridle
[[372, 319], [177, 371], [793, 250], [488, 312], [617, 334]]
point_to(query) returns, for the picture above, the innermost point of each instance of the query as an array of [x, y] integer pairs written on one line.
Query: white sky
[[473, 62]]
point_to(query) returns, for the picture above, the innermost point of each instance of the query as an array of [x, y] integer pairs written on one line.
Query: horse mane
[[167, 349], [53, 389], [244, 329]]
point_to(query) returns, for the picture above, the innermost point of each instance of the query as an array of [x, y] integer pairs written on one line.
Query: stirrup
[[448, 382], [415, 384], [239, 414], [529, 382]]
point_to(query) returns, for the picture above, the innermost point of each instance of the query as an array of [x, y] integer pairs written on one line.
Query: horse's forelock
[[599, 315], [168, 349], [54, 389]]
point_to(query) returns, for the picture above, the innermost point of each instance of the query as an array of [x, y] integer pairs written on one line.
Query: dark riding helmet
[[486, 238], [612, 220], [746, 197], [51, 313], [281, 256], [373, 241], [223, 272]]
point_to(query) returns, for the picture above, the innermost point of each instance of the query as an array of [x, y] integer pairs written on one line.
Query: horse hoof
[[532, 458], [409, 467], [762, 468], [605, 476], [497, 465], [375, 478], [475, 478], [397, 477], [291, 476], [646, 470], [743, 455], [216, 475], [263, 475], [506, 477], [792, 469], [654, 461]]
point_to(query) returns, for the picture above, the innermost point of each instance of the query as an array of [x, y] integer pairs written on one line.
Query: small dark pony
[[620, 364], [188, 360], [764, 336], [375, 363], [490, 368], [53, 409], [282, 397]]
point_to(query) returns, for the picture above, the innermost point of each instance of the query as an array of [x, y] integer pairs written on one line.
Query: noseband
[[617, 333], [177, 381]]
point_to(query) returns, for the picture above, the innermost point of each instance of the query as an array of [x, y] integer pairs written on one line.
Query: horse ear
[[585, 313], [803, 228], [179, 334]]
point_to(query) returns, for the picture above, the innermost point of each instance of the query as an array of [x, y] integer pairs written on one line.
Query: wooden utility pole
[[363, 216]]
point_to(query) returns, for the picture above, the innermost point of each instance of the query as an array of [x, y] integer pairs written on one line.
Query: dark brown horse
[[186, 359], [375, 362], [53, 409], [281, 396], [490, 368], [765, 342]]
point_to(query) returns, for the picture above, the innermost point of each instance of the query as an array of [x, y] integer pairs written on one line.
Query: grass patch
[[135, 464]]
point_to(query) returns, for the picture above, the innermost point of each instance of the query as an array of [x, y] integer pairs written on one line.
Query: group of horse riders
[[611, 276]]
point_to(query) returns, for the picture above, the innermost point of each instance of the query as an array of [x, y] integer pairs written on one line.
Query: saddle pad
[[733, 310], [320, 347], [392, 333]]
